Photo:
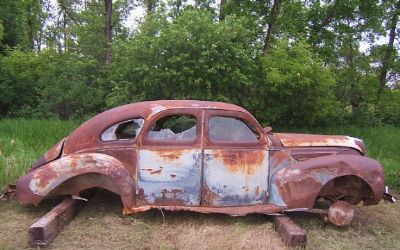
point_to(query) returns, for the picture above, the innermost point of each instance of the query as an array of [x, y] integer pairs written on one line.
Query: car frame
[[222, 169]]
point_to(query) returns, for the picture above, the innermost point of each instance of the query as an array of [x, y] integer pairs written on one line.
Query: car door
[[236, 159], [169, 160]]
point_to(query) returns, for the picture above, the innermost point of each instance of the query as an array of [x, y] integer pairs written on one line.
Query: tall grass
[[22, 142]]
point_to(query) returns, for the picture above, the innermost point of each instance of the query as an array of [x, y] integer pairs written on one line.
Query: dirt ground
[[101, 225]]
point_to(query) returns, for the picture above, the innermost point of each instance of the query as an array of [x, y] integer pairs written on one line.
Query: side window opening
[[127, 130], [174, 128], [231, 130]]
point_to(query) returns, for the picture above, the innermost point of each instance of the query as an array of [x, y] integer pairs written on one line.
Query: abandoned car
[[207, 157]]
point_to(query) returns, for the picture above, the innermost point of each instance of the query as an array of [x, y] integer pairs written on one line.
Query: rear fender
[[298, 185], [92, 169]]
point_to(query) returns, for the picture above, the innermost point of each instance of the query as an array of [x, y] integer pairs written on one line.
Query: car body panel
[[297, 184], [106, 171], [235, 177], [309, 140], [169, 176]]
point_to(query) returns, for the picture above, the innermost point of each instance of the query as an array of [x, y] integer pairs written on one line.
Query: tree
[[273, 15], [13, 18], [297, 88], [192, 57], [388, 56], [108, 30]]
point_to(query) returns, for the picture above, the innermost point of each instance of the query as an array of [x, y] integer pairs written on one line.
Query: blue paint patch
[[174, 181]]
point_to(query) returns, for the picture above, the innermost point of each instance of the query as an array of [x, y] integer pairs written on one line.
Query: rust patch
[[208, 196], [341, 213], [169, 202], [141, 195], [45, 177], [158, 171], [241, 161], [300, 184], [55, 151], [169, 155], [173, 192], [289, 139], [361, 145]]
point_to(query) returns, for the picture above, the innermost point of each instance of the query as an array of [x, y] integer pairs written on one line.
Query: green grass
[[22, 142]]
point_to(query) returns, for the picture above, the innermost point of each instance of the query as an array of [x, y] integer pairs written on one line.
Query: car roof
[[86, 136]]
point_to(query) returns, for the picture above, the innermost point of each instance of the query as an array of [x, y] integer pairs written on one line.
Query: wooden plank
[[292, 234], [46, 229]]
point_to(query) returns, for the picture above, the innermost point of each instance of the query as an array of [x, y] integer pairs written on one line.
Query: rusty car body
[[207, 157]]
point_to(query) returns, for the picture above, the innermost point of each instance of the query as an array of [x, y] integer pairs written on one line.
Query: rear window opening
[[127, 130]]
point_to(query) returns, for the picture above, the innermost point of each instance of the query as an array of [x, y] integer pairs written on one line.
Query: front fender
[[108, 173], [298, 185]]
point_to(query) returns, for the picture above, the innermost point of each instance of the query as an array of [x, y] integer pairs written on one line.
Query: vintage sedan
[[207, 157]]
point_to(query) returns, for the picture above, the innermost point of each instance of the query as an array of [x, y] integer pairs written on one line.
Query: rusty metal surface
[[299, 184], [52, 154], [87, 135], [341, 213], [274, 173], [306, 153], [169, 177], [309, 140], [43, 181], [235, 177]]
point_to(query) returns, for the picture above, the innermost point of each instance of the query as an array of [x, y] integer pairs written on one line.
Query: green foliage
[[18, 83], [297, 87], [1, 31], [81, 96], [192, 57], [51, 85], [388, 107], [317, 70], [12, 16]]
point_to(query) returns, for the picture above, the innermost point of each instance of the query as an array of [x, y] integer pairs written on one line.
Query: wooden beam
[[292, 234], [46, 229]]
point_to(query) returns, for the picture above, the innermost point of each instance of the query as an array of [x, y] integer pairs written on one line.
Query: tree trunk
[[388, 58], [65, 30], [150, 4], [30, 34], [30, 15], [108, 31], [221, 11], [271, 24]]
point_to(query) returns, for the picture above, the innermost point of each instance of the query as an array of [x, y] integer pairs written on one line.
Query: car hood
[[311, 140]]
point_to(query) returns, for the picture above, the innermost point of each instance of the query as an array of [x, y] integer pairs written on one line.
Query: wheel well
[[350, 188], [83, 182]]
